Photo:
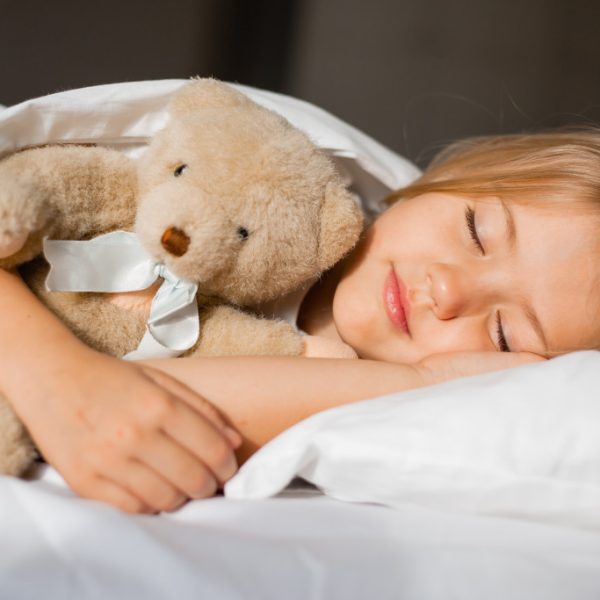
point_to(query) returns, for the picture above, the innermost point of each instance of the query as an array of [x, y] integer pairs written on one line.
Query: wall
[[413, 73], [417, 74]]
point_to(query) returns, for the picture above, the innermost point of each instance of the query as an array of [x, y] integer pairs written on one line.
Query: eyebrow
[[511, 239]]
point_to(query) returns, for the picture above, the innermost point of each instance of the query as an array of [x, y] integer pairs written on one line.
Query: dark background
[[415, 74]]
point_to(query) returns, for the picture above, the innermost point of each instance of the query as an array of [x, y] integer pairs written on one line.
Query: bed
[[300, 544], [486, 487]]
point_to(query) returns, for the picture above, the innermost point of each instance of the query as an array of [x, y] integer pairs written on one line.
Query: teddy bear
[[228, 197]]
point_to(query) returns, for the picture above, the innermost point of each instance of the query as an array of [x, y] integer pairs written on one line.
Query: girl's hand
[[451, 365], [125, 433]]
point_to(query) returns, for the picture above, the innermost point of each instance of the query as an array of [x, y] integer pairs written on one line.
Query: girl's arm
[[263, 396], [117, 431]]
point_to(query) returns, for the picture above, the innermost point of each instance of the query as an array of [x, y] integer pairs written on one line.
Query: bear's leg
[[226, 331], [17, 451]]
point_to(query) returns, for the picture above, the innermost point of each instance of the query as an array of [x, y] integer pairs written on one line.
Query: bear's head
[[236, 199]]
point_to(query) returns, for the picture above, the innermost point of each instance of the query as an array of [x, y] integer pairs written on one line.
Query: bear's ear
[[341, 225], [205, 93]]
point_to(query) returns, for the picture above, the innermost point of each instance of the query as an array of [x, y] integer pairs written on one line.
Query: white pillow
[[523, 442]]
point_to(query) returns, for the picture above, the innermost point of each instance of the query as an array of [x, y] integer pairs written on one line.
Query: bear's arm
[[64, 192]]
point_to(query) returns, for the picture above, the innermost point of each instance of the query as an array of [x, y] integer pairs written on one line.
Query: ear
[[204, 93], [341, 225]]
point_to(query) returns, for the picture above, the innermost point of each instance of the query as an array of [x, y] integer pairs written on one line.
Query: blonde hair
[[553, 166]]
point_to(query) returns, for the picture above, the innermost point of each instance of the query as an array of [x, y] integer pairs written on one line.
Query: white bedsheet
[[296, 546]]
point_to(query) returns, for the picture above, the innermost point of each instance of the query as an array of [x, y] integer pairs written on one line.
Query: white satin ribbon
[[117, 262]]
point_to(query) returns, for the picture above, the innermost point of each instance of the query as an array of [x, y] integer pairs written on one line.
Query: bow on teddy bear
[[228, 196]]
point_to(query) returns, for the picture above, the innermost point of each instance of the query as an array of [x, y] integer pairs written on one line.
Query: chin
[[352, 326], [359, 335], [384, 348]]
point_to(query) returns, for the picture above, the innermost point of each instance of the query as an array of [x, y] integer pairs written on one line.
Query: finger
[[179, 467], [506, 360], [530, 357], [197, 402], [106, 491], [148, 486], [201, 439]]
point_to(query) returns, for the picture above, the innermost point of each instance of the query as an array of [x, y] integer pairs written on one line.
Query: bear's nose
[[175, 241]]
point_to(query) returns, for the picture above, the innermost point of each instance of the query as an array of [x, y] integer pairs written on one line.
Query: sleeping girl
[[488, 261]]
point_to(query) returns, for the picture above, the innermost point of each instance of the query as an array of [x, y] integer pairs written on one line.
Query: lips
[[395, 302]]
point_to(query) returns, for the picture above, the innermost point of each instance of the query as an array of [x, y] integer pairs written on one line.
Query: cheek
[[455, 335], [353, 313]]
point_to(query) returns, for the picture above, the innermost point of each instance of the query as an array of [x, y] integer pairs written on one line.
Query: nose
[[175, 241], [451, 291]]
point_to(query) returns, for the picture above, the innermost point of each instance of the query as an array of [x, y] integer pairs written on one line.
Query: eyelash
[[502, 343], [470, 218]]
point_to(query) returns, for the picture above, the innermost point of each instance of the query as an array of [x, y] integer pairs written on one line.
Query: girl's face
[[441, 273]]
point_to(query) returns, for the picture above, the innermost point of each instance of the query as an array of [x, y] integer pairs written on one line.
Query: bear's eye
[[179, 170], [243, 233]]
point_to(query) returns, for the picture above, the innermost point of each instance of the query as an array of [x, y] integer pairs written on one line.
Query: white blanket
[[296, 546]]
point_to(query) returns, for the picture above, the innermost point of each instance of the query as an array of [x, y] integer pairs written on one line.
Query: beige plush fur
[[246, 169]]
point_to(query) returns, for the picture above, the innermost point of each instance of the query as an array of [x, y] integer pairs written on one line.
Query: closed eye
[[502, 343], [470, 219]]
